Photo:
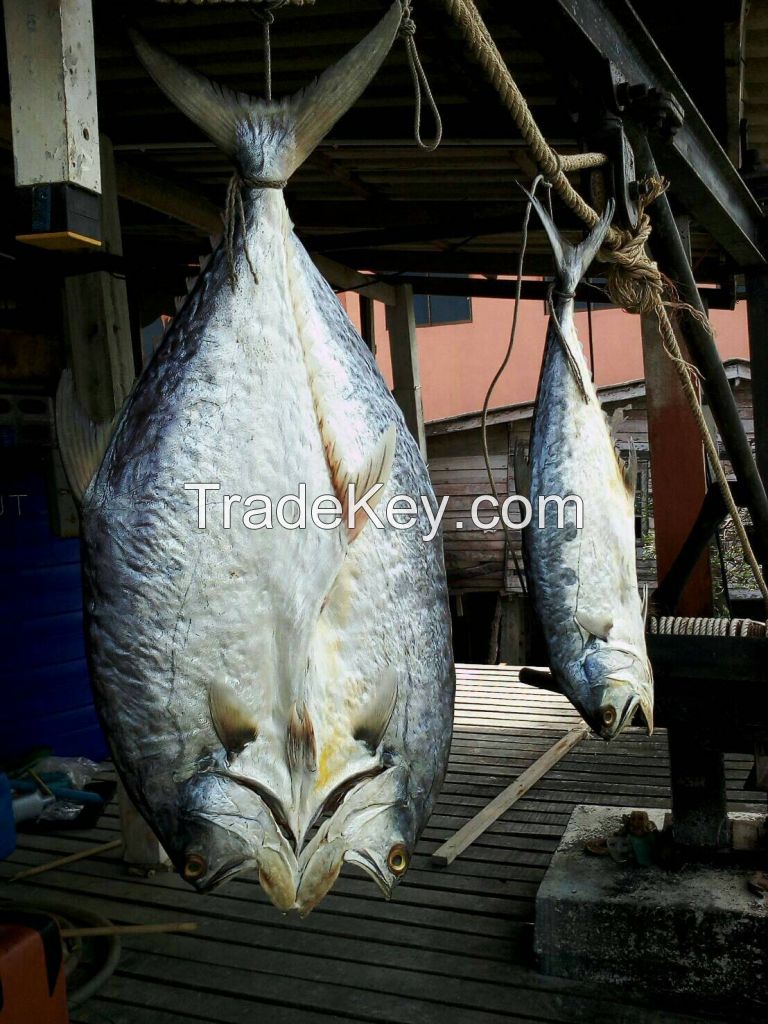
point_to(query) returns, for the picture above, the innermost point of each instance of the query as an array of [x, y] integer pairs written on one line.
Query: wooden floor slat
[[453, 946]]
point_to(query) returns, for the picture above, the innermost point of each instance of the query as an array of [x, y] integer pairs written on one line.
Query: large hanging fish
[[256, 682], [583, 581]]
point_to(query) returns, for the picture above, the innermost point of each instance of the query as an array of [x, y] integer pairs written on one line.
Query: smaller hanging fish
[[583, 580]]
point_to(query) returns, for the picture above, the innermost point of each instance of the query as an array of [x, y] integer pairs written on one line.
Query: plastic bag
[[79, 770]]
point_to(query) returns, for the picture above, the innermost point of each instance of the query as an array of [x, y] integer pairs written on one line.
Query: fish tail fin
[[269, 139], [573, 261]]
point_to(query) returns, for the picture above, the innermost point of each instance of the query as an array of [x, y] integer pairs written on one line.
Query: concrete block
[[697, 931]]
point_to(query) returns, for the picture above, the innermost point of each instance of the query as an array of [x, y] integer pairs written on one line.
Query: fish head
[[224, 829], [374, 828], [619, 683]]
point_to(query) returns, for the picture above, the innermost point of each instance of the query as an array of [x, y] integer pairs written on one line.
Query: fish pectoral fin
[[646, 603], [597, 624], [235, 724], [301, 745], [375, 470], [81, 441], [374, 716]]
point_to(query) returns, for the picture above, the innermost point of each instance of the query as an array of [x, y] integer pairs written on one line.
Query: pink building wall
[[457, 361]]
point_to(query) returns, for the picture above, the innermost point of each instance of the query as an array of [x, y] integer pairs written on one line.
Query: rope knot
[[407, 27], [635, 282], [234, 212]]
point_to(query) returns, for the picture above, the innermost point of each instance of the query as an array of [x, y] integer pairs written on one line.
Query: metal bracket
[[618, 179]]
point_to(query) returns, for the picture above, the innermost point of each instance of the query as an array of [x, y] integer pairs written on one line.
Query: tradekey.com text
[[401, 512]]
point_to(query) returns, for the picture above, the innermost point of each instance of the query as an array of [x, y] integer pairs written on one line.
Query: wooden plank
[[449, 851]]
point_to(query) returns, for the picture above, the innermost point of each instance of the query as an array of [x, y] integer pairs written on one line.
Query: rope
[[234, 211], [669, 625], [497, 376], [421, 88], [634, 280]]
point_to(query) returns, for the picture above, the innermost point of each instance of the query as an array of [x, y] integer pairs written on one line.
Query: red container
[[32, 983]]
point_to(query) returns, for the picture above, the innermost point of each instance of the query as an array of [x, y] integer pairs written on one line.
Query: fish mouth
[[364, 860], [218, 878], [611, 722]]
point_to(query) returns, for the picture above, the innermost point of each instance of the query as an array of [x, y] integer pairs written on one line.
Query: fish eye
[[609, 717], [397, 861], [194, 867]]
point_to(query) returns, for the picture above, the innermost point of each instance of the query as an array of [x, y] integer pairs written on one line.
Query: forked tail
[[573, 261], [268, 140]]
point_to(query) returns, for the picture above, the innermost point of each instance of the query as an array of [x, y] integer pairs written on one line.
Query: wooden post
[[367, 323], [699, 803], [142, 851], [52, 71], [401, 325], [678, 474], [757, 312], [97, 320]]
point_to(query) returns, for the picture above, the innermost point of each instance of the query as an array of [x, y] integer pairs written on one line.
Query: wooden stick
[[92, 851], [128, 929], [475, 827]]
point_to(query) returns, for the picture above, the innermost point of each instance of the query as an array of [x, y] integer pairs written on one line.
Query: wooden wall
[[478, 560]]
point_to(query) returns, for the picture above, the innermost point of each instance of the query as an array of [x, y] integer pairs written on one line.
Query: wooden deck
[[453, 945]]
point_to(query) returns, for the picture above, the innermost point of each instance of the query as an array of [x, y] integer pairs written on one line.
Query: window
[[431, 310]]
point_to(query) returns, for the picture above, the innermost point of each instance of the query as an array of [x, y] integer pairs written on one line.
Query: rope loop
[[234, 211], [421, 87]]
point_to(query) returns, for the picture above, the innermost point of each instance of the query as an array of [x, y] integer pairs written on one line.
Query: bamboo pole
[[128, 929], [92, 851]]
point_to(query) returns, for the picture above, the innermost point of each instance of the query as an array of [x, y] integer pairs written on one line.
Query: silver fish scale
[[585, 575], [232, 398]]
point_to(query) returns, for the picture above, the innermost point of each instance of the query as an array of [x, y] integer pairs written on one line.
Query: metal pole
[[668, 249]]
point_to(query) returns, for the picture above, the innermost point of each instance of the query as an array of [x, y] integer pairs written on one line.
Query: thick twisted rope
[[634, 280]]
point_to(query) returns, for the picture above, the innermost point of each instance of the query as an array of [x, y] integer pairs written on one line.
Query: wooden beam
[[450, 850], [702, 176], [52, 71], [404, 350], [734, 46], [346, 279], [97, 320], [159, 193]]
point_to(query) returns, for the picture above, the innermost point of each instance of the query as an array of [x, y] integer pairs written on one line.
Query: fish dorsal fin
[[301, 745], [235, 724], [597, 624], [374, 716], [81, 441], [522, 470], [628, 470], [374, 470], [270, 139]]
